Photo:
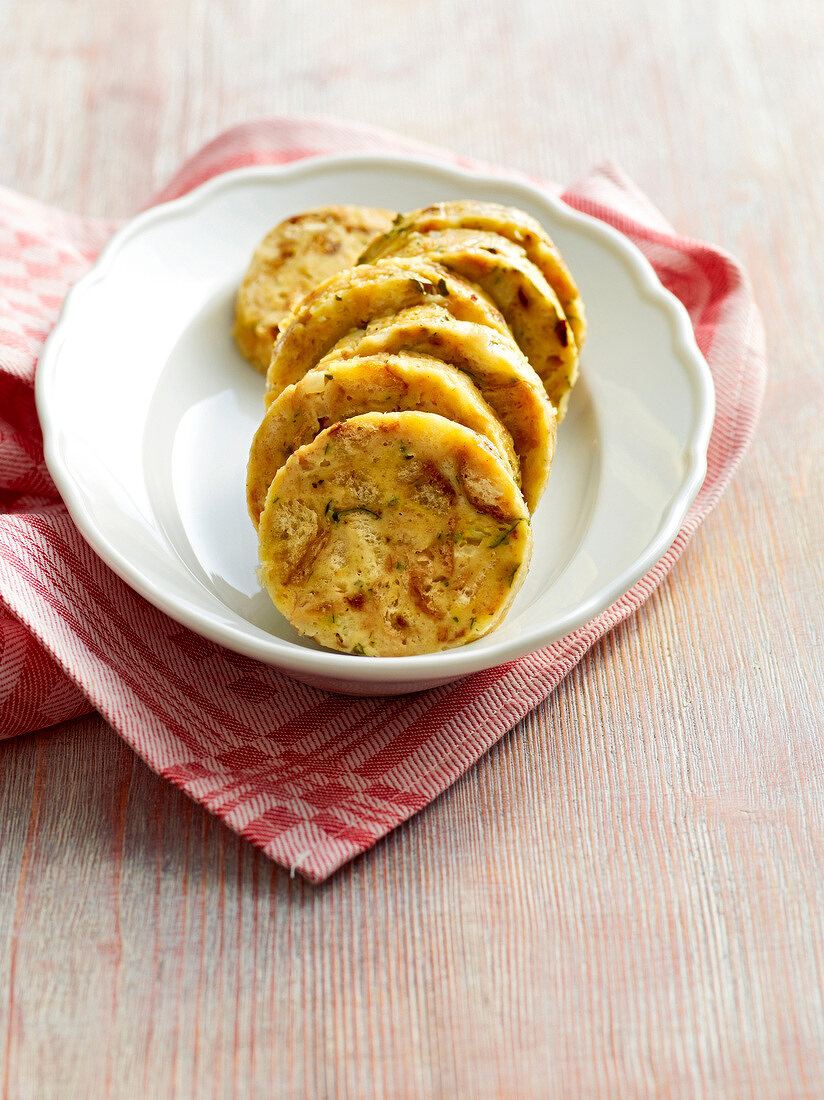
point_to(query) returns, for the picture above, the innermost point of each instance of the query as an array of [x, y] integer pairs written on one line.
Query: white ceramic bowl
[[148, 410]]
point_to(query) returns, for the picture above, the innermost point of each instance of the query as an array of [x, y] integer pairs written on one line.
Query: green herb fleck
[[338, 297], [512, 576], [338, 512], [423, 286], [442, 287], [359, 651], [328, 377], [400, 565], [504, 535]]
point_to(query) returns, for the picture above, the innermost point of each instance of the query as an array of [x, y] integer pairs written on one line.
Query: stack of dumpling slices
[[412, 402]]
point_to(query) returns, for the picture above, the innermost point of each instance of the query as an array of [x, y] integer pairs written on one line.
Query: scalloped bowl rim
[[447, 664]]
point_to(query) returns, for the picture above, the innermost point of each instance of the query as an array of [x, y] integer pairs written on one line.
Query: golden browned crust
[[291, 260], [495, 364], [517, 287], [508, 221], [354, 297], [338, 389], [392, 534]]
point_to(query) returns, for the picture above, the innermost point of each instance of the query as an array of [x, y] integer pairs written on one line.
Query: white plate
[[148, 410]]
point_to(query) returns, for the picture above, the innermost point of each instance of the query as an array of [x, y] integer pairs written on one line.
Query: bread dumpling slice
[[354, 297], [394, 534], [492, 360], [338, 390], [517, 288], [291, 260], [508, 221]]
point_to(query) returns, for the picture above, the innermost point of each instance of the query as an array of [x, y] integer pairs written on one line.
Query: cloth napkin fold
[[310, 777]]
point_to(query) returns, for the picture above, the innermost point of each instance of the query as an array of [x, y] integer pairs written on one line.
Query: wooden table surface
[[626, 896]]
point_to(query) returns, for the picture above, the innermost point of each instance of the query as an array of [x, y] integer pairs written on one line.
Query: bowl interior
[[148, 411]]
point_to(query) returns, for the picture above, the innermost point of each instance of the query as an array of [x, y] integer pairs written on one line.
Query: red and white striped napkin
[[311, 778]]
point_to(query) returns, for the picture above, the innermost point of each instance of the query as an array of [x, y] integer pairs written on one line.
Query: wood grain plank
[[624, 897]]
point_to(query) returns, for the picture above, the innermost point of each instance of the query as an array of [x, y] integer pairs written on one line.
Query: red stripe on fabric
[[327, 775], [131, 678], [270, 824], [721, 273], [446, 702], [229, 163]]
